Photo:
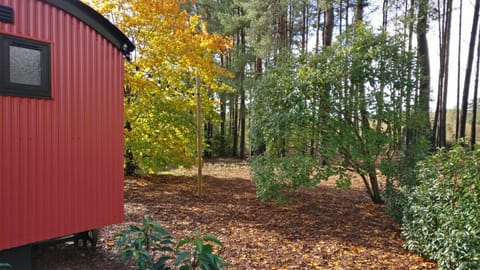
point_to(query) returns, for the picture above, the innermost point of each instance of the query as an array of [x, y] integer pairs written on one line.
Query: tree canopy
[[172, 44]]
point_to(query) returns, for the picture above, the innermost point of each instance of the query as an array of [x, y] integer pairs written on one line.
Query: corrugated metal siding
[[61, 159]]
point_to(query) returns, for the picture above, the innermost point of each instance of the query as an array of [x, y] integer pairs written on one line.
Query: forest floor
[[325, 228]]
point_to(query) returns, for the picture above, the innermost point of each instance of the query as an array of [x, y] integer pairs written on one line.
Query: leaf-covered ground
[[326, 228]]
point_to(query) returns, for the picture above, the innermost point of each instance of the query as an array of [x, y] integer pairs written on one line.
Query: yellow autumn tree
[[172, 44]]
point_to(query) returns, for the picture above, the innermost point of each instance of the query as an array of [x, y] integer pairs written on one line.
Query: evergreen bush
[[278, 178], [442, 220]]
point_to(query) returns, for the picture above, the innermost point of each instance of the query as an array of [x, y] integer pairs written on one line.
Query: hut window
[[26, 68]]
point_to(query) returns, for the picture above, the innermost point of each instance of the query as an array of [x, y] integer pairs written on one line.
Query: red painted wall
[[61, 159]]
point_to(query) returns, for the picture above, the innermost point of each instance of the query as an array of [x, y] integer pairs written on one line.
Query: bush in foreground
[[153, 248], [442, 220]]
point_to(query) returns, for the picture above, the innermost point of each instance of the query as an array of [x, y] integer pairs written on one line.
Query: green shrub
[[278, 178], [401, 176], [199, 253], [442, 220], [153, 248]]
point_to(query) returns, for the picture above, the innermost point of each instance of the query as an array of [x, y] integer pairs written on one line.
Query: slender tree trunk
[[440, 121], [223, 114], [473, 137], [130, 164], [322, 112], [443, 115], [347, 8], [409, 133], [376, 194], [282, 31], [379, 96], [411, 17], [328, 26], [304, 28], [459, 50], [340, 16], [261, 146], [435, 130], [385, 15], [223, 120], [208, 131], [290, 11], [243, 113], [468, 71], [317, 31], [359, 10], [234, 127]]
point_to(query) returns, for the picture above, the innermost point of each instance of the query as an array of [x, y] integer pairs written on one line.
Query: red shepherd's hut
[[61, 120]]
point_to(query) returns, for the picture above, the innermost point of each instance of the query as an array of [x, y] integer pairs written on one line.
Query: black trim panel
[[6, 14], [95, 20]]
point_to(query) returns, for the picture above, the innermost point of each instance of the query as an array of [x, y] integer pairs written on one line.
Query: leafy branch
[[152, 248]]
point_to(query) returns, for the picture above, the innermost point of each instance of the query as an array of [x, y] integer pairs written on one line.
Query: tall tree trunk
[[340, 16], [440, 121], [468, 71], [317, 31], [459, 50], [223, 120], [328, 26], [208, 131], [234, 126], [290, 11], [385, 15], [347, 8], [473, 137], [243, 113], [446, 45], [424, 69], [304, 28], [379, 96], [261, 146], [242, 116], [223, 113], [282, 31], [409, 133], [359, 10], [322, 112], [411, 16]]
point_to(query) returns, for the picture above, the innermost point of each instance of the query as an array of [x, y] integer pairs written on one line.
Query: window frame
[[9, 88]]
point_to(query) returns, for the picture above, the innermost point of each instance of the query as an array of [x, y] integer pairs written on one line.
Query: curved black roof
[[95, 20]]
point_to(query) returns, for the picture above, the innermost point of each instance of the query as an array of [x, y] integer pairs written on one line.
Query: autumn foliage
[[172, 44]]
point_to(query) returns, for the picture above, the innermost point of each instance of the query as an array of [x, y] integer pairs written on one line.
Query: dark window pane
[[25, 66]]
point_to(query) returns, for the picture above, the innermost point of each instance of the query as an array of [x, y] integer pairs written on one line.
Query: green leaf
[[161, 263], [181, 256], [185, 267], [183, 242], [213, 239], [198, 243]]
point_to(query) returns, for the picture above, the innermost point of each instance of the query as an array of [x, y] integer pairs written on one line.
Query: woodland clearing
[[325, 228]]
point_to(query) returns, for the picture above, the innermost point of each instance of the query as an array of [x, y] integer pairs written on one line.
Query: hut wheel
[[86, 239]]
